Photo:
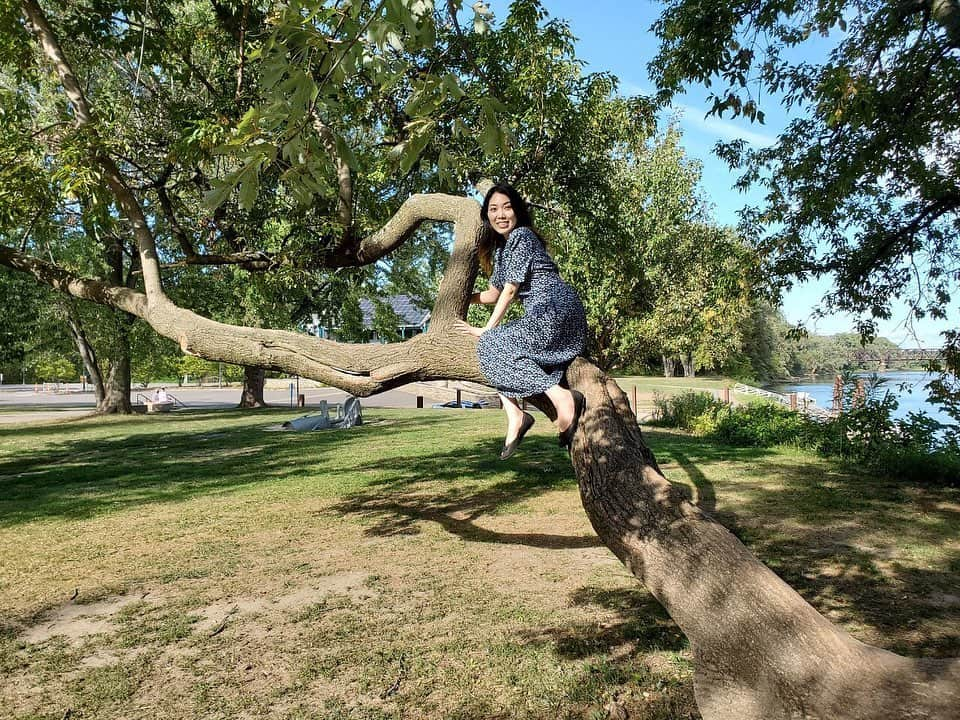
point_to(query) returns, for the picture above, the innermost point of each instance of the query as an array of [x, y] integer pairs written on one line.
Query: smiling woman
[[528, 356]]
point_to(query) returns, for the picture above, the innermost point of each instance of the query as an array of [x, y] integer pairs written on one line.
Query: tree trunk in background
[[87, 354], [116, 400], [254, 378], [668, 366], [689, 369]]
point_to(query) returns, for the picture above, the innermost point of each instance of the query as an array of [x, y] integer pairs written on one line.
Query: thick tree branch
[[399, 228], [90, 289], [252, 261], [359, 369], [84, 118]]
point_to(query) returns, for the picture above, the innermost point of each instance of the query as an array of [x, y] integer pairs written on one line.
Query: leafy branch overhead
[[389, 79], [862, 184]]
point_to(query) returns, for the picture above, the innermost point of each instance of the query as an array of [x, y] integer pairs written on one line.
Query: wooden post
[[793, 401], [636, 409], [458, 396], [726, 394]]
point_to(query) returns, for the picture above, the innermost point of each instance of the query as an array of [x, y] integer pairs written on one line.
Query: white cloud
[[695, 118], [630, 89]]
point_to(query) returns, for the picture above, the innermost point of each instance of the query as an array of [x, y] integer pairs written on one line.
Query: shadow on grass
[[639, 621], [814, 524], [396, 509], [106, 465], [633, 658], [865, 551]]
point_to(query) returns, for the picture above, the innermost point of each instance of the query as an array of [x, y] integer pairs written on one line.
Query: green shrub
[[914, 448], [911, 449], [684, 410], [705, 425], [760, 425]]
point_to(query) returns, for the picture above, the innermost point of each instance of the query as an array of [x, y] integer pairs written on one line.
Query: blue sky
[[615, 36]]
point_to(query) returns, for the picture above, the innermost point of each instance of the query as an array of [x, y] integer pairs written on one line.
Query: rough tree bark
[[761, 651], [117, 382], [254, 379]]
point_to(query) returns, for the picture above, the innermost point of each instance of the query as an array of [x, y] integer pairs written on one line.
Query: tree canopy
[[862, 184]]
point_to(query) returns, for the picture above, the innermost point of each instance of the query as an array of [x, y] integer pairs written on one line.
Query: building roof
[[403, 305]]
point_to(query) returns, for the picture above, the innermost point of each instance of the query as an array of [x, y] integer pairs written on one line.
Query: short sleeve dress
[[525, 357]]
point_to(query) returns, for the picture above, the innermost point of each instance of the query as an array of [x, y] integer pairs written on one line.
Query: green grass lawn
[[673, 385], [205, 564]]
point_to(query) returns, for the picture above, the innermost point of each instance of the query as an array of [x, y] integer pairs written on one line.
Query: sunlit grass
[[400, 568]]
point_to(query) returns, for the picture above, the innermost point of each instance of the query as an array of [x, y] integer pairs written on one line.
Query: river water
[[906, 386]]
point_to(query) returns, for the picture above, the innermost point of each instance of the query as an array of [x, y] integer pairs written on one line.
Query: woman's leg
[[511, 406], [562, 400]]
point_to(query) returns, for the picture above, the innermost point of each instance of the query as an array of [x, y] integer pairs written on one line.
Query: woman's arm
[[503, 302], [487, 297], [503, 297]]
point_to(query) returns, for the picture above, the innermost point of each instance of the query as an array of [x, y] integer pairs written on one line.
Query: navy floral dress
[[525, 357]]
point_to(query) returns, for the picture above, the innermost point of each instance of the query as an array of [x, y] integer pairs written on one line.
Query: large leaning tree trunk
[[761, 651]]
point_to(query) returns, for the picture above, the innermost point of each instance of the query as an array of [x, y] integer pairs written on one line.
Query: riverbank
[[907, 387]]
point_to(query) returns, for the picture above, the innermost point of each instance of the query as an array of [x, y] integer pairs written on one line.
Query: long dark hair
[[490, 236]]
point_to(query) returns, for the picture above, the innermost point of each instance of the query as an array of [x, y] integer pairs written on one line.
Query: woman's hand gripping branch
[[503, 300]]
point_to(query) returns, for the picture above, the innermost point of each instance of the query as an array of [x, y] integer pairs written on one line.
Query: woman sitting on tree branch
[[528, 356]]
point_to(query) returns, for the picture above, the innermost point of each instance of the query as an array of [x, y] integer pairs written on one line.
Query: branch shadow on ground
[[138, 461], [639, 622], [100, 470], [870, 553], [398, 508], [632, 654]]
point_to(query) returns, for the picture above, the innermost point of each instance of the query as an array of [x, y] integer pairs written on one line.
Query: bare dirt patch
[[76, 621]]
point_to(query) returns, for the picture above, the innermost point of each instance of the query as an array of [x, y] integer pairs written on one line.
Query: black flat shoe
[[579, 405], [510, 448]]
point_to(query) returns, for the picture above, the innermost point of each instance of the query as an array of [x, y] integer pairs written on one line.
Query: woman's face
[[500, 214]]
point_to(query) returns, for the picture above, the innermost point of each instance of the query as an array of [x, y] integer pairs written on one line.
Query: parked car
[[464, 404]]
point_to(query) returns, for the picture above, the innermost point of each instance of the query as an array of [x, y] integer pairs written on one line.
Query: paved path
[[20, 404], [23, 404]]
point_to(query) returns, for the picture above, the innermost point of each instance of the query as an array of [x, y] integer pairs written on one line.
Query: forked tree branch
[[361, 369]]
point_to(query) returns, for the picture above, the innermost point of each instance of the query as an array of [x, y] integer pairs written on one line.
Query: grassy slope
[[225, 570]]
